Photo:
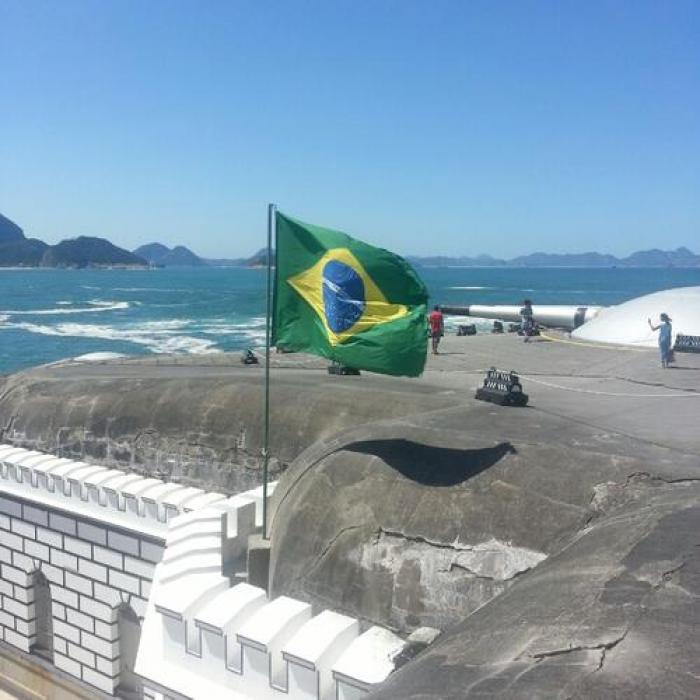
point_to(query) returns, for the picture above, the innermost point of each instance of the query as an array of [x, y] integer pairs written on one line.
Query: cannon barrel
[[554, 316]]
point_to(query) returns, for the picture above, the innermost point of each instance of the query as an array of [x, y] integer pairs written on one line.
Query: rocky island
[[162, 256], [84, 251]]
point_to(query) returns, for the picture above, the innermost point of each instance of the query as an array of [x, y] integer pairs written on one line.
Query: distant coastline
[[654, 258], [19, 252]]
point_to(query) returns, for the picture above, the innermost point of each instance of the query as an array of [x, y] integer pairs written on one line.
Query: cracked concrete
[[555, 546]]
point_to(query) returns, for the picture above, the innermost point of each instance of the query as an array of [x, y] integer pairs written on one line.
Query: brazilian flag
[[334, 296]]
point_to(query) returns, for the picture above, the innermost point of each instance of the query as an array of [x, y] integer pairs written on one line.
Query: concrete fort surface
[[554, 549]]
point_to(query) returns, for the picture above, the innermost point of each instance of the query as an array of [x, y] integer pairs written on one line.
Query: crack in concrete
[[596, 504], [666, 575], [483, 577], [424, 540], [325, 550], [603, 647], [655, 478]]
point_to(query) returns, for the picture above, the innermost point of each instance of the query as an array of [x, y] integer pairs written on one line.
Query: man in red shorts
[[437, 327]]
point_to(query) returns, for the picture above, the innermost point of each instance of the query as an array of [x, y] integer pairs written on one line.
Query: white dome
[[626, 324]]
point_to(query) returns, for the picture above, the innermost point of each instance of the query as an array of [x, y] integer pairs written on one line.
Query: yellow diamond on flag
[[344, 296]]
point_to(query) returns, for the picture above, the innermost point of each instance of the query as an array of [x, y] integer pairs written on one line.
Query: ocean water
[[48, 315]]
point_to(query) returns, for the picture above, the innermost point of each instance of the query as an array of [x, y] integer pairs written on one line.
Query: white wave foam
[[157, 341], [171, 325], [95, 308], [102, 304], [255, 337], [233, 328], [149, 289], [471, 288], [98, 356]]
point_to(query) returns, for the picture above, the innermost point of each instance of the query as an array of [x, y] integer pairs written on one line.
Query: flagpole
[[268, 328]]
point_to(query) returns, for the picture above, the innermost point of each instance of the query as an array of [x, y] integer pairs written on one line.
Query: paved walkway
[[619, 389]]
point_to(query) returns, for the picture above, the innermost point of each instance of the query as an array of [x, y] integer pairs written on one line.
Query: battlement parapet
[[111, 495], [205, 638]]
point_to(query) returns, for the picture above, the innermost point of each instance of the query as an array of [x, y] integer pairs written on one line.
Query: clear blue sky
[[425, 127]]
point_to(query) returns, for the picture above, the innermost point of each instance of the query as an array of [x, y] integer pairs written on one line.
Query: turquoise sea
[[47, 315]]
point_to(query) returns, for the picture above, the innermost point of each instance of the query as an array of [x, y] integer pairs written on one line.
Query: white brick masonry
[[96, 535], [104, 539], [204, 639]]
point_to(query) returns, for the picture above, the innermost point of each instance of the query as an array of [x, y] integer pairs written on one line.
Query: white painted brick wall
[[124, 582], [82, 549], [78, 619], [96, 572], [95, 553], [49, 537], [66, 631], [139, 567], [107, 630], [115, 560], [60, 645], [99, 680], [78, 583], [105, 594], [62, 523], [36, 550], [88, 582], [65, 664], [24, 529], [93, 533], [106, 649], [81, 655], [123, 543], [67, 562], [152, 552], [95, 609]]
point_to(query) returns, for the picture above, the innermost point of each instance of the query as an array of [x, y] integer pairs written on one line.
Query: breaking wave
[[157, 340], [149, 289], [95, 307], [471, 288]]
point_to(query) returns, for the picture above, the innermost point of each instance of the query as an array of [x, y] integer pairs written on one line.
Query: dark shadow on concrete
[[432, 466]]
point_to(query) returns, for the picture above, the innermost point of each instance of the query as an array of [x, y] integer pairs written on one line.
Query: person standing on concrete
[[436, 323], [665, 331], [527, 322]]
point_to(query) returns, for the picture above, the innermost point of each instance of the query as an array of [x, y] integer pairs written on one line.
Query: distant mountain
[[18, 251], [259, 259], [682, 257], [564, 260], [86, 251], [152, 252], [27, 252], [462, 261], [9, 231], [161, 255]]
